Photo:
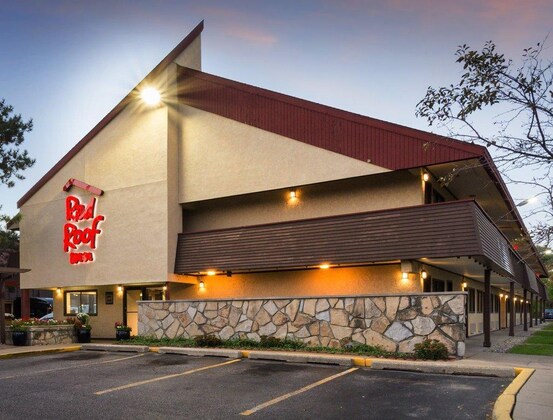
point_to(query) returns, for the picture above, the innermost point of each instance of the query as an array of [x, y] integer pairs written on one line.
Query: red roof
[[385, 144]]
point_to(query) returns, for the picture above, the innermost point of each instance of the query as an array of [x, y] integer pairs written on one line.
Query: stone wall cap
[[456, 293]]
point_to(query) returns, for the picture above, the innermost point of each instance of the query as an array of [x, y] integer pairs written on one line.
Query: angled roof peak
[[156, 71]]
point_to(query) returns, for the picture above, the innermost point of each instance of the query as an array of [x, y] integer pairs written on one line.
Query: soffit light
[[150, 96], [324, 266], [425, 177]]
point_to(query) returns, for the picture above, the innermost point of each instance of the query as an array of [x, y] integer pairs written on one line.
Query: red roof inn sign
[[82, 224]]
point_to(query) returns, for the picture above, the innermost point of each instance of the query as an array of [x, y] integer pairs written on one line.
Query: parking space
[[139, 386]]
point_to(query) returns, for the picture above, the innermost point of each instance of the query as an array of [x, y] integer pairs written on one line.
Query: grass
[[533, 349], [539, 343]]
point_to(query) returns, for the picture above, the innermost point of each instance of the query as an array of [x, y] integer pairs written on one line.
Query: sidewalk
[[534, 401]]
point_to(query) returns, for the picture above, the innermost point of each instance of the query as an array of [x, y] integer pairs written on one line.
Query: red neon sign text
[[74, 234]]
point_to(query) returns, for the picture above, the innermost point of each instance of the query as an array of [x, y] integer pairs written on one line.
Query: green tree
[[13, 160], [521, 95]]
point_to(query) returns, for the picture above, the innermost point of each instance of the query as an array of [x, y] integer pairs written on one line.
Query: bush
[[431, 350], [207, 341]]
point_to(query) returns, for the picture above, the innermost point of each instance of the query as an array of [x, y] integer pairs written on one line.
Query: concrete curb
[[116, 347], [443, 368], [293, 357], [505, 404], [194, 351], [34, 352]]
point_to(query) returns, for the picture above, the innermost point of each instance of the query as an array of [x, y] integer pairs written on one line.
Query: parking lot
[[138, 386]]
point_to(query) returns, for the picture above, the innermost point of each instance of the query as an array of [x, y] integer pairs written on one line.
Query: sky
[[66, 64]]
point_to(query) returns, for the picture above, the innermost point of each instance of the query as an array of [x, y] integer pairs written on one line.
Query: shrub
[[431, 350], [207, 341]]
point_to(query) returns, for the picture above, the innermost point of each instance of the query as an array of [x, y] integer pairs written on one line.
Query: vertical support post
[[542, 312], [2, 310], [487, 304], [512, 311], [537, 310], [25, 303], [525, 309], [530, 310]]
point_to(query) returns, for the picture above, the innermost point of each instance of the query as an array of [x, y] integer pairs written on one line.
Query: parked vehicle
[[39, 307], [549, 314], [47, 317]]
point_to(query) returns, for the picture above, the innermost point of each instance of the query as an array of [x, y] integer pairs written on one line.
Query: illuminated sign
[[81, 229]]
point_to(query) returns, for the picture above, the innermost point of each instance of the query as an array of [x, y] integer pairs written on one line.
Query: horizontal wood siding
[[433, 231]]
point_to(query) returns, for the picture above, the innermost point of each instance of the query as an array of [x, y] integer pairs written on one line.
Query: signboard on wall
[[82, 224]]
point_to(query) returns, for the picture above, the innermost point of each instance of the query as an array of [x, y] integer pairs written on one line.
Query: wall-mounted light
[[119, 289], [292, 194], [405, 276], [201, 284], [464, 285], [150, 96], [425, 177], [501, 296], [324, 266], [165, 288], [211, 272], [515, 299], [424, 274], [58, 290]]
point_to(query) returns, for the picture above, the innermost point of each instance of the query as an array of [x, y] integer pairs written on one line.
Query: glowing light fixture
[[515, 299], [424, 274], [293, 194], [119, 289], [211, 272], [58, 291], [165, 288], [150, 96], [324, 266], [201, 284], [500, 295], [464, 285], [405, 275], [425, 177]]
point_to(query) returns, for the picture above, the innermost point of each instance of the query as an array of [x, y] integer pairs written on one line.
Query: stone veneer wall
[[393, 322], [55, 334]]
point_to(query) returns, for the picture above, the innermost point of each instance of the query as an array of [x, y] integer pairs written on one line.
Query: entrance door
[[131, 310], [130, 305]]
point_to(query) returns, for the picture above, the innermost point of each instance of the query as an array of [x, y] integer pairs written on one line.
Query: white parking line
[[161, 378], [296, 392], [36, 372]]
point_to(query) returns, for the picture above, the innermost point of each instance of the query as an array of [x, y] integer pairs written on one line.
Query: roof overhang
[[435, 232]]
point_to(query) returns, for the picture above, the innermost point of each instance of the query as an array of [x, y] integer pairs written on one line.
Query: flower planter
[[83, 335], [122, 334], [19, 338]]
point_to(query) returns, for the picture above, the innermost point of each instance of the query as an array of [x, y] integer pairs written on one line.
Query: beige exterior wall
[[128, 160], [382, 279], [220, 157], [103, 325], [376, 192]]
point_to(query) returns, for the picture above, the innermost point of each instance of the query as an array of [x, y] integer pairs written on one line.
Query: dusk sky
[[68, 63]]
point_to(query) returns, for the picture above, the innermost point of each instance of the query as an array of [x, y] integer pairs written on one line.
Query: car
[[39, 306], [549, 314], [47, 317]]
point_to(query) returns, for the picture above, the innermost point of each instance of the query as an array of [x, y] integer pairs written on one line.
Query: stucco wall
[[103, 323], [395, 323], [220, 157], [317, 282], [376, 192], [128, 160]]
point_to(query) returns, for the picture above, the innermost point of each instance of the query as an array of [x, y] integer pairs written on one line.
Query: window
[[81, 301], [431, 195], [472, 300], [480, 301]]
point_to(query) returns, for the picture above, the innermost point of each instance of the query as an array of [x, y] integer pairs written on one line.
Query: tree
[[522, 95], [12, 132]]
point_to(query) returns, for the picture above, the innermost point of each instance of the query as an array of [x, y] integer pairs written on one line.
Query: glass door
[[131, 308]]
